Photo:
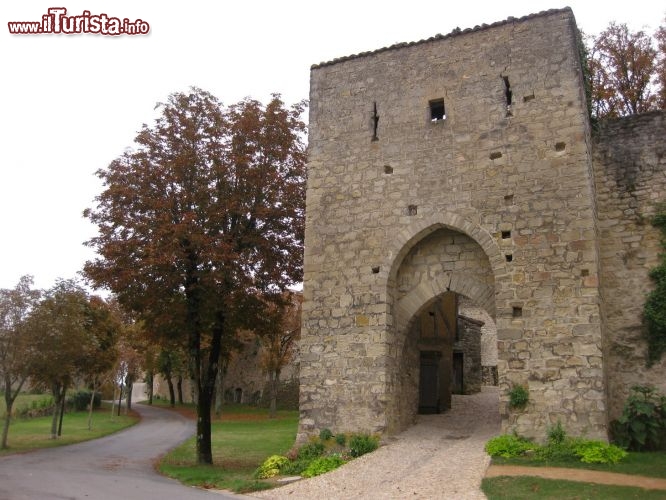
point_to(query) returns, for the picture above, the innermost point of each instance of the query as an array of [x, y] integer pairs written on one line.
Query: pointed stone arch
[[411, 304], [408, 237]]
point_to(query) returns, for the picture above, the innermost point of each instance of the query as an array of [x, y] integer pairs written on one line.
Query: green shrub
[[271, 467], [598, 452], [518, 396], [654, 317], [341, 439], [508, 446], [311, 450], [325, 434], [556, 434], [80, 400], [360, 444], [642, 425], [296, 467], [564, 451], [323, 464]]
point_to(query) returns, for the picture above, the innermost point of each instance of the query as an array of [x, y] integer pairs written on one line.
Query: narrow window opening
[[584, 272], [509, 257], [437, 111], [375, 122], [411, 210], [375, 270], [508, 94], [506, 235], [560, 146], [528, 98], [508, 199], [495, 155], [388, 169], [517, 312]]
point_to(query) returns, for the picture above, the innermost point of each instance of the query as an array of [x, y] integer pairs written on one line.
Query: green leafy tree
[[59, 342], [169, 364], [99, 352], [15, 306], [204, 217]]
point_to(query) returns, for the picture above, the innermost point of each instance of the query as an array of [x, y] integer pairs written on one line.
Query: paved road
[[116, 467]]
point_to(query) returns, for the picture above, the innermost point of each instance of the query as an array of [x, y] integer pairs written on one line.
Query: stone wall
[[470, 347], [505, 163], [630, 173], [245, 382], [488, 339]]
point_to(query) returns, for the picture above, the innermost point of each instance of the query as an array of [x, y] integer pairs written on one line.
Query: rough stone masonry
[[466, 164]]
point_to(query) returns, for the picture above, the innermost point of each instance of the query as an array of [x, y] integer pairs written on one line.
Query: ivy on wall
[[654, 311]]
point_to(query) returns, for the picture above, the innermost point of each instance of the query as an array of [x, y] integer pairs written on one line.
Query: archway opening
[[444, 306]]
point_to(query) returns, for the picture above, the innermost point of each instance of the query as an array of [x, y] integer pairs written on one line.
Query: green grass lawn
[[35, 433], [523, 488], [652, 464], [25, 401], [242, 440]]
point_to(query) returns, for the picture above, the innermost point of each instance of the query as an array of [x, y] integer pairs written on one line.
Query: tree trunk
[[130, 385], [274, 384], [92, 403], [194, 390], [179, 387], [10, 397], [219, 389], [150, 377], [206, 391], [57, 408], [113, 402], [120, 397], [62, 408], [172, 395]]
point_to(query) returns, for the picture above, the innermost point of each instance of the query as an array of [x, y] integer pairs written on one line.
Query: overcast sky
[[73, 103]]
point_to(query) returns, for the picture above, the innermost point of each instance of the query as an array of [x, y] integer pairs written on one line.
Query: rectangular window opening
[[437, 111]]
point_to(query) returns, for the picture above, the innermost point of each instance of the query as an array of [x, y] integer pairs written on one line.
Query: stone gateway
[[466, 165]]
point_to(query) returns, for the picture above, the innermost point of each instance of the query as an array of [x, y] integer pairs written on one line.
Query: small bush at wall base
[[323, 464], [340, 439], [271, 467], [508, 446], [518, 396], [311, 450], [642, 425], [360, 444], [325, 434], [556, 433], [598, 452]]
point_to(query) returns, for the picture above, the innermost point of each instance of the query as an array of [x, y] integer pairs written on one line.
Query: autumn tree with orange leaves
[[202, 223], [626, 71], [278, 336]]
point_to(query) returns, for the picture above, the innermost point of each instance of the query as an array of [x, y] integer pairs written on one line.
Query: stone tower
[[457, 165]]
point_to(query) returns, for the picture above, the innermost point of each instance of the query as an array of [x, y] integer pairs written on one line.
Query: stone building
[[466, 165]]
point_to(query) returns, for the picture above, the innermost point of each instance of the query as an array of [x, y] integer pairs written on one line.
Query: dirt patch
[[581, 475]]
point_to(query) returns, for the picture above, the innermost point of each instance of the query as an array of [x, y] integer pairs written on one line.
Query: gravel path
[[440, 457]]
